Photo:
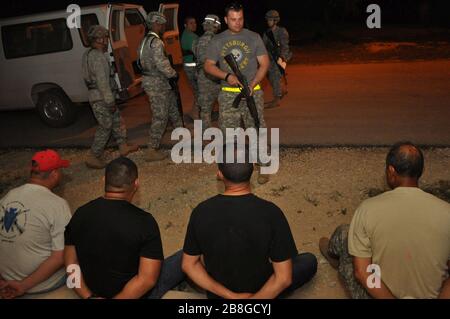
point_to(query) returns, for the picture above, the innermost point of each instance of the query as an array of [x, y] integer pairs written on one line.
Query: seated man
[[403, 233], [238, 245], [118, 245], [32, 222]]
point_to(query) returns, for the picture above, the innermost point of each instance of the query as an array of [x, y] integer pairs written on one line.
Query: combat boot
[[273, 104], [95, 162], [154, 155], [125, 149]]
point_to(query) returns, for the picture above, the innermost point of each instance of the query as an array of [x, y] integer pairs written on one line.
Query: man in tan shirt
[[403, 236]]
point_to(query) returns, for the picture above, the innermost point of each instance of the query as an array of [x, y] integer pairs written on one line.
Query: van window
[[87, 20], [133, 17], [35, 38]]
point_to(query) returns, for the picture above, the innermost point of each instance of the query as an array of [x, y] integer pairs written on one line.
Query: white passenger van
[[40, 57]]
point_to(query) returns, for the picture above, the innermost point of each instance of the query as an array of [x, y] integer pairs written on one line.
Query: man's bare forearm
[[45, 270], [71, 258], [259, 76], [272, 288], [445, 290], [382, 292], [212, 69], [197, 272], [136, 288]]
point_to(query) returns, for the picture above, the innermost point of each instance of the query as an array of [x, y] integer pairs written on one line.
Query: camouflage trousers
[[230, 117], [208, 93], [339, 247], [191, 73], [108, 124], [163, 104], [274, 77]]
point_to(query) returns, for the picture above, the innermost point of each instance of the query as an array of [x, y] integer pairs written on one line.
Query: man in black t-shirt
[[246, 243], [117, 245]]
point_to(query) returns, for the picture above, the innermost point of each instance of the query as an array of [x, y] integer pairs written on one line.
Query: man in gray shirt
[[253, 60], [32, 223]]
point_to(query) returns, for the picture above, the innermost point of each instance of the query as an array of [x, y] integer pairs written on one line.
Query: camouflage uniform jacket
[[156, 66], [282, 39], [98, 77], [200, 48]]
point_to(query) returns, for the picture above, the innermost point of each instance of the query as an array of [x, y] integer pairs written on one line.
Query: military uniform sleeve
[[201, 50], [266, 40], [161, 61], [100, 68], [212, 52], [284, 45]]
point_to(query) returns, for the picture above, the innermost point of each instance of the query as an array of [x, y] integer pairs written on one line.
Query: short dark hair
[[407, 160], [188, 18], [233, 6], [236, 172], [120, 173]]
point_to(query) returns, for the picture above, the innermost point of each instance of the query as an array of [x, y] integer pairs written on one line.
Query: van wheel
[[55, 108]]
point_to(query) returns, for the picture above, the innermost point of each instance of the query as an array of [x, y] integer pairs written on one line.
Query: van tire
[[55, 108]]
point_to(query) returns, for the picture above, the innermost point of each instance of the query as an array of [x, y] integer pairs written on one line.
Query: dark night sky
[[295, 14]]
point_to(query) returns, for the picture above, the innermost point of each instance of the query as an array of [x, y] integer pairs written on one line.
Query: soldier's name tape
[[237, 89]]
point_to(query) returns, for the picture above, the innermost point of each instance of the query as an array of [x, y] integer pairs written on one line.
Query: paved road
[[344, 104]]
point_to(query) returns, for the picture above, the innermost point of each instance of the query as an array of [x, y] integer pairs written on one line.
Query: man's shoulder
[[95, 54], [155, 42], [205, 38], [251, 34], [222, 35], [282, 30]]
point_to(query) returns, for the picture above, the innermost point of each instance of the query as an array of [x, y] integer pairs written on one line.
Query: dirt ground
[[318, 189]]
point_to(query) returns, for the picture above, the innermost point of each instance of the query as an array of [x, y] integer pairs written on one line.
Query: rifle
[[245, 90], [275, 53], [174, 85]]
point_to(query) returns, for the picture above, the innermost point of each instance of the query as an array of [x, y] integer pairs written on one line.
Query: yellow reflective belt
[[238, 90]]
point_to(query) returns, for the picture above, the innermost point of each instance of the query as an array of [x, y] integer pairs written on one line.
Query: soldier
[[158, 76], [97, 75], [251, 55], [208, 86], [281, 38], [188, 39]]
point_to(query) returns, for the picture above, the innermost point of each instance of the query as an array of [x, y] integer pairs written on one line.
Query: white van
[[40, 58]]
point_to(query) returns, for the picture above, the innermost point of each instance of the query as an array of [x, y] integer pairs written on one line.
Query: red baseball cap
[[48, 160]]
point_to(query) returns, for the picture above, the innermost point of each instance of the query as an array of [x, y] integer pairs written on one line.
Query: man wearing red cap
[[32, 223]]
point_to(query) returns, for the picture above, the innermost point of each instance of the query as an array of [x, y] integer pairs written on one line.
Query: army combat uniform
[[101, 85], [208, 86], [156, 74], [338, 246], [281, 37]]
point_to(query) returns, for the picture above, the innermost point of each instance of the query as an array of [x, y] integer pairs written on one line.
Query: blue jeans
[[304, 267], [170, 276]]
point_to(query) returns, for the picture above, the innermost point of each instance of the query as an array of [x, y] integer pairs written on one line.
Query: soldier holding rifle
[[251, 56]]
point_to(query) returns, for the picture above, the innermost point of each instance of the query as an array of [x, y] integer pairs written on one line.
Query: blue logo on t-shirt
[[13, 221]]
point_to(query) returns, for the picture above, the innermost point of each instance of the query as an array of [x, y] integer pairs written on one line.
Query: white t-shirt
[[32, 224]]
